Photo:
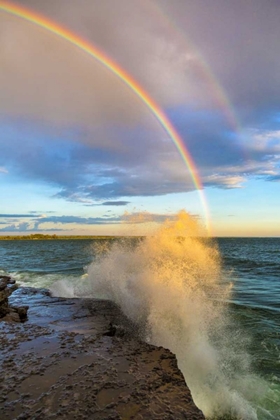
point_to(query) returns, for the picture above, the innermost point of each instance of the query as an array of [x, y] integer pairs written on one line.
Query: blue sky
[[79, 150]]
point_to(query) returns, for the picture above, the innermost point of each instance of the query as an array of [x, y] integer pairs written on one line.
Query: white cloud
[[224, 181], [265, 140]]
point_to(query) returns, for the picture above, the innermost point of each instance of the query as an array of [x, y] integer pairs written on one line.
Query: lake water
[[252, 307]]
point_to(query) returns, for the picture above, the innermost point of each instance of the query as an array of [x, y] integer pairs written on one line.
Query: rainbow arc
[[126, 78]]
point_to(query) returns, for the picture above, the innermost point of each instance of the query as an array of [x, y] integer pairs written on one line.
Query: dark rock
[[4, 308], [22, 311], [11, 281], [8, 278], [3, 285], [5, 293], [111, 331], [8, 313], [11, 317]]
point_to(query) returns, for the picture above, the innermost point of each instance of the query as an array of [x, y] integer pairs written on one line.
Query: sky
[[82, 154]]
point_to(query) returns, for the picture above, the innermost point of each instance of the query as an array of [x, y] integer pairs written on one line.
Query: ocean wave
[[172, 286]]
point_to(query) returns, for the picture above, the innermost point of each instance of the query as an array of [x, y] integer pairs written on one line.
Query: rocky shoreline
[[82, 359], [8, 312]]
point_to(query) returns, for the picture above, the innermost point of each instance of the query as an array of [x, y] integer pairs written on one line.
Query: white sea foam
[[59, 284]]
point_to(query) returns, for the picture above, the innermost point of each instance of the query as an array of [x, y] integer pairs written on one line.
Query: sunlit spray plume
[[126, 78], [171, 286]]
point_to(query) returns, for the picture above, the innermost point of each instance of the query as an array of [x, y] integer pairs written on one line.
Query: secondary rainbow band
[[53, 27], [202, 67]]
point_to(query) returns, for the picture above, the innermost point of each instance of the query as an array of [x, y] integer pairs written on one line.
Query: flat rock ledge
[[81, 359]]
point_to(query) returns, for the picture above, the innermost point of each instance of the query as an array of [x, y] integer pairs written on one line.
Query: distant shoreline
[[42, 237], [38, 237]]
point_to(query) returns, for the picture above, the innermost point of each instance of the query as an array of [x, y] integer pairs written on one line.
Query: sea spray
[[172, 286]]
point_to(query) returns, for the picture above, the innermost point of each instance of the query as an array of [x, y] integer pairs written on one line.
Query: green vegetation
[[40, 236]]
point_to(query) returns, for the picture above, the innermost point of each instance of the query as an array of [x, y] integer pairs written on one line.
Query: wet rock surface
[[81, 359], [7, 312]]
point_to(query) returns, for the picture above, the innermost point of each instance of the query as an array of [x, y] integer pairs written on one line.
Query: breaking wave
[[173, 287]]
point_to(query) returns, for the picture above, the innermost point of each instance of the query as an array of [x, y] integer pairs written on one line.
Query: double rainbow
[[201, 66], [101, 57]]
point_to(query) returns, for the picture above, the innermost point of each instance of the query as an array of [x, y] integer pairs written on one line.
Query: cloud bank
[[69, 123], [42, 224]]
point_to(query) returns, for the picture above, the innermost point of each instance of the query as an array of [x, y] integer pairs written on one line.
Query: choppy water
[[251, 310]]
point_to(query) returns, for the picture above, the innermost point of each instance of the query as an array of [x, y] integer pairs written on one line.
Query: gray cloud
[[57, 83], [275, 178], [239, 42], [77, 219], [127, 218], [134, 34], [25, 227], [92, 174], [115, 203], [20, 227], [103, 143], [17, 216]]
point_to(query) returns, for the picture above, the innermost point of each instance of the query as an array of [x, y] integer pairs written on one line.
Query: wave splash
[[172, 286]]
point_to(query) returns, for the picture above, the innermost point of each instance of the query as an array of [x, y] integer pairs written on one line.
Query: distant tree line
[[32, 236], [41, 236]]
